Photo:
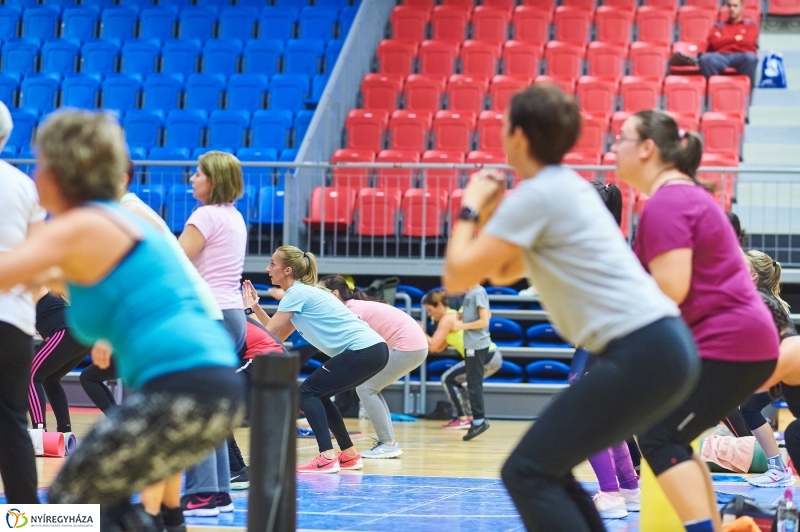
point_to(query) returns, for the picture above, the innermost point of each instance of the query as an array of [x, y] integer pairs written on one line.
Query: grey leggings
[[400, 363], [454, 381]]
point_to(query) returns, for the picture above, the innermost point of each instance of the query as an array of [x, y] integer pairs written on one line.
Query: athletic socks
[[477, 422], [776, 462], [706, 525]]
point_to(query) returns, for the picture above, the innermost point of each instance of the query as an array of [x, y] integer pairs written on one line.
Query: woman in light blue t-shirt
[[357, 352]]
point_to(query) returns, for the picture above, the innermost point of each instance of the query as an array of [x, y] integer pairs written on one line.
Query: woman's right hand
[[249, 295], [101, 354]]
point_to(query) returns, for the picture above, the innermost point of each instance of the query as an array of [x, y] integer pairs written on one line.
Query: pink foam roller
[[54, 445]]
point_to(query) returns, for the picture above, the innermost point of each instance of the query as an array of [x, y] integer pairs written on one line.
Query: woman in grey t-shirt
[[555, 229]]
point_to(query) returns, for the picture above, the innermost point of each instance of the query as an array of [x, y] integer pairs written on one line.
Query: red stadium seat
[[663, 4], [648, 59], [441, 180], [582, 159], [365, 129], [613, 24], [490, 23], [408, 22], [424, 93], [455, 206], [423, 212], [639, 94], [695, 23], [380, 91], [655, 24], [486, 157], [721, 133], [566, 85], [686, 122], [490, 131], [465, 93], [419, 3], [690, 49], [503, 88], [597, 96], [685, 94], [630, 5], [396, 57], [753, 12], [583, 4], [449, 23], [521, 59], [466, 4], [479, 58], [399, 178], [729, 94], [452, 131], [564, 60], [532, 24], [377, 211], [572, 24], [437, 57], [629, 194], [712, 4], [351, 177], [617, 119], [724, 182], [408, 130], [606, 60], [593, 134], [508, 4], [331, 209]]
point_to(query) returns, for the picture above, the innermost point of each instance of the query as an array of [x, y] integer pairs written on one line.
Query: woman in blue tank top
[[127, 288]]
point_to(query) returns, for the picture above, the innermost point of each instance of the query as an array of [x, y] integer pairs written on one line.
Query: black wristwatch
[[468, 214], [248, 311]]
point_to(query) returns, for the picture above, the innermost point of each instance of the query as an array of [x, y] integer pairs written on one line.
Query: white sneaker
[[773, 478], [381, 450], [633, 499], [610, 506]]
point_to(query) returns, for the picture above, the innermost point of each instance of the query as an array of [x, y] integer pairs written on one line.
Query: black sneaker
[[224, 502], [200, 505], [475, 430], [173, 519], [240, 480]]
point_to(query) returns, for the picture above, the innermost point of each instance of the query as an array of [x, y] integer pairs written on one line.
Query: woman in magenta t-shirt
[[686, 243]]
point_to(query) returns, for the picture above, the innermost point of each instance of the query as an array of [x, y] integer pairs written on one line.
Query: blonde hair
[[768, 273], [435, 297], [87, 153], [302, 263], [224, 171]]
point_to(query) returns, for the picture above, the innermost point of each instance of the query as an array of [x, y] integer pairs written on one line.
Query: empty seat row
[[165, 22], [177, 56], [342, 4], [585, 4]]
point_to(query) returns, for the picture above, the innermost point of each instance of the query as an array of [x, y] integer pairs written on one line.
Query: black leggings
[[93, 381], [17, 462], [57, 356], [342, 372], [637, 380], [721, 387], [791, 395], [751, 410], [475, 360]]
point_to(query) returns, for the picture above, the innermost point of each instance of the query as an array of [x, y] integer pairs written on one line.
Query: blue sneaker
[[304, 433]]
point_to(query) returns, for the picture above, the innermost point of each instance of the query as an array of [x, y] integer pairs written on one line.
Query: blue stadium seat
[[318, 87], [221, 56], [167, 176], [24, 122], [118, 22], [292, 3], [311, 366], [162, 91], [317, 22], [143, 127], [197, 22], [137, 153], [228, 128], [39, 91], [80, 90], [178, 4], [509, 372], [139, 4], [287, 156], [288, 91], [246, 91], [270, 127], [332, 51], [277, 22], [261, 56], [346, 18], [217, 4], [302, 56], [9, 21], [179, 206], [436, 368], [269, 207], [331, 3], [152, 195], [413, 292], [9, 84], [22, 3], [257, 177], [9, 152], [301, 123], [158, 22], [121, 92], [26, 152], [235, 21], [60, 56], [547, 372], [40, 22], [60, 4], [184, 128], [139, 56], [101, 4], [180, 56], [79, 22], [544, 335], [202, 150], [502, 291], [506, 332], [99, 56], [204, 91], [19, 55]]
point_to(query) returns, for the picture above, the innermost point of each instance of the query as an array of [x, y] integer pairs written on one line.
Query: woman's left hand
[[249, 295]]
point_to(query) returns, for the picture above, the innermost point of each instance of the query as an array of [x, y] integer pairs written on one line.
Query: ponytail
[[768, 273], [338, 283], [783, 322], [612, 197], [302, 263]]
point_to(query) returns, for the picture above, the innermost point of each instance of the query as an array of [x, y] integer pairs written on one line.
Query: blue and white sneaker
[[773, 478]]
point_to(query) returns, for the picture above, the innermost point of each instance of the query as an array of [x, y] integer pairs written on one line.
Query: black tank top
[[50, 315]]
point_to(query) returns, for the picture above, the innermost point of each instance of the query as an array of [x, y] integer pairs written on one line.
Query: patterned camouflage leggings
[[150, 437]]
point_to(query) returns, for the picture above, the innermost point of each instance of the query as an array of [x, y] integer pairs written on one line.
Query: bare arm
[[672, 270], [279, 324], [481, 323], [438, 342], [510, 273], [471, 260], [788, 368], [192, 241]]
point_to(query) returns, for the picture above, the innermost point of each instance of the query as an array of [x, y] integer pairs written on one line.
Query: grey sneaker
[[773, 478], [381, 450]]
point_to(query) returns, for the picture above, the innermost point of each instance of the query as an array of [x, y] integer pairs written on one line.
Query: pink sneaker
[[458, 423], [350, 462], [320, 464]]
